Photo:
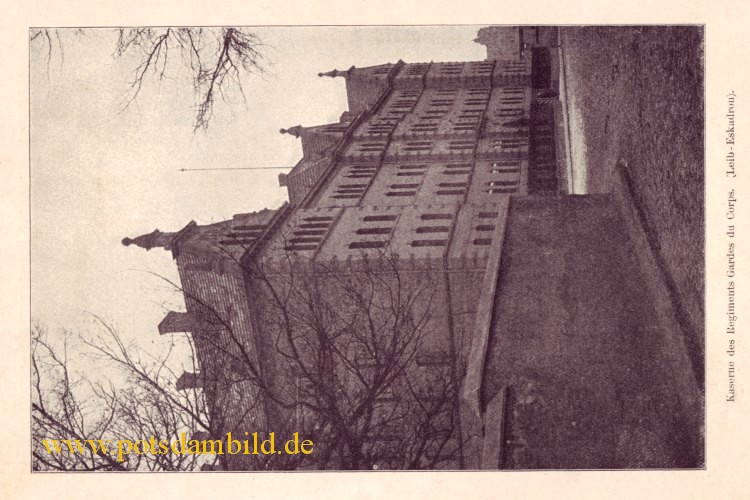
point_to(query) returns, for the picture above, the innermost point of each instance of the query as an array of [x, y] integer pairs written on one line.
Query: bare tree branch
[[214, 60]]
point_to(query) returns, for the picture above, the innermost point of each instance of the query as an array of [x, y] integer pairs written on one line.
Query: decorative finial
[[296, 131], [335, 73], [151, 240]]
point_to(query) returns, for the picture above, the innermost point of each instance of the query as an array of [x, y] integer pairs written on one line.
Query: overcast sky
[[100, 173]]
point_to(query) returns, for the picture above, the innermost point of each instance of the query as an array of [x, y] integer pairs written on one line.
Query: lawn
[[637, 93]]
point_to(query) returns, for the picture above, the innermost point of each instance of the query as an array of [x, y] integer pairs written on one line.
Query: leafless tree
[[342, 355], [346, 361], [349, 340], [59, 411], [86, 417], [152, 401], [215, 60]]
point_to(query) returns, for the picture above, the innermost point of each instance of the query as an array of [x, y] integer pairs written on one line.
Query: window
[[436, 217], [319, 218], [485, 227], [505, 166], [509, 112], [433, 229], [367, 244], [504, 170], [406, 189], [482, 241], [451, 69], [295, 248], [294, 241], [488, 215], [379, 218], [374, 230], [349, 191], [424, 128], [429, 243]]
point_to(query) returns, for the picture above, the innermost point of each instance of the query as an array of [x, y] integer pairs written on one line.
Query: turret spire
[[335, 73], [151, 240], [296, 131]]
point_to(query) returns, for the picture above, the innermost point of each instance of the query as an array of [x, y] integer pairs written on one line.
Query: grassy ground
[[638, 92]]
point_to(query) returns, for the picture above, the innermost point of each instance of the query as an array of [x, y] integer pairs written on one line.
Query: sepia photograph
[[368, 248]]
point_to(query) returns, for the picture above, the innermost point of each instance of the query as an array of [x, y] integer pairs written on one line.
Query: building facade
[[366, 311]]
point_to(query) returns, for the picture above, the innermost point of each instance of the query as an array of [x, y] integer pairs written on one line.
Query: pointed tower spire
[[296, 131], [151, 240], [335, 73]]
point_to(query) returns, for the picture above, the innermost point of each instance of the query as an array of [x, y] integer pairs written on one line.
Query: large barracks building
[[432, 295]]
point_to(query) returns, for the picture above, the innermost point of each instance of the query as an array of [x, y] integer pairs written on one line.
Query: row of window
[[362, 245], [350, 191], [406, 170], [325, 221], [361, 171], [416, 173], [309, 233], [243, 234], [416, 68]]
